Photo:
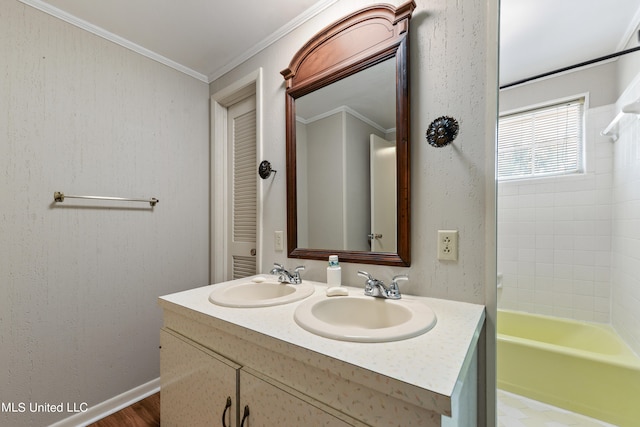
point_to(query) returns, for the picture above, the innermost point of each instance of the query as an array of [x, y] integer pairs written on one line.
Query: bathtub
[[582, 367]]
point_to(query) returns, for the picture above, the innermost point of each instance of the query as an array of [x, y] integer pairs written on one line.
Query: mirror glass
[[348, 143], [346, 163]]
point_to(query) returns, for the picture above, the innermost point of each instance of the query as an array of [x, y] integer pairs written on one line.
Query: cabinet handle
[[245, 415], [224, 413]]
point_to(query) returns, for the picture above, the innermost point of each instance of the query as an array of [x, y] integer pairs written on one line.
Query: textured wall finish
[[79, 280]]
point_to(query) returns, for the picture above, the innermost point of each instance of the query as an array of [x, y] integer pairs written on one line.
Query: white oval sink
[[255, 293], [364, 319]]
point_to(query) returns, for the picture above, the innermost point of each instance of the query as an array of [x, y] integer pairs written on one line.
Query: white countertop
[[432, 361]]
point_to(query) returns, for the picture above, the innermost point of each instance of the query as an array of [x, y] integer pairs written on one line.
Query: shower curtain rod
[[571, 67]]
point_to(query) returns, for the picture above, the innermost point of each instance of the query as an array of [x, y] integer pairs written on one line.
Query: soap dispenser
[[334, 278], [334, 272]]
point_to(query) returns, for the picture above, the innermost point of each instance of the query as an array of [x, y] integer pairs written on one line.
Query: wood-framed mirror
[[347, 140]]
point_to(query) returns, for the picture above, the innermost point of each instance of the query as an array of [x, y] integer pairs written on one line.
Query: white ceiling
[[539, 36], [206, 38]]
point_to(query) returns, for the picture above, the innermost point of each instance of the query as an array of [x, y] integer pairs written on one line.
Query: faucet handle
[[365, 275], [399, 277], [369, 283], [277, 268], [296, 274], [394, 290]]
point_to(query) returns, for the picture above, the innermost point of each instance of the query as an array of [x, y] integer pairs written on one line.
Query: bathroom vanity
[[250, 367]]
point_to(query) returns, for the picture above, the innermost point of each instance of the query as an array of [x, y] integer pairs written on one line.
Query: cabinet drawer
[[272, 403]]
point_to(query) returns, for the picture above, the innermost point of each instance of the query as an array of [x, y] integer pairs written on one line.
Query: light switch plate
[[278, 241]]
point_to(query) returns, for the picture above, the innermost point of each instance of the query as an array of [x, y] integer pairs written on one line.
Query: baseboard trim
[[110, 406]]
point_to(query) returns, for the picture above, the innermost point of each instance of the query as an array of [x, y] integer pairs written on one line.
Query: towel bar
[[59, 197]]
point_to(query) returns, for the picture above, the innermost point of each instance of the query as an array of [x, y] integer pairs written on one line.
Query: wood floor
[[145, 413]]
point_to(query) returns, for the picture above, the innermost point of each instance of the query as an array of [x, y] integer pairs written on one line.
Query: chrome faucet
[[376, 288], [285, 276]]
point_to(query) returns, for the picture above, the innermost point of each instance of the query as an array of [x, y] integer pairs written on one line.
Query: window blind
[[540, 142]]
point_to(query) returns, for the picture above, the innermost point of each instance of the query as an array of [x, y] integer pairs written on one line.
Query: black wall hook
[[264, 170], [442, 131]]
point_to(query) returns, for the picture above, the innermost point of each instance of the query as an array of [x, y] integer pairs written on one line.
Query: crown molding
[[101, 32], [274, 37], [630, 32]]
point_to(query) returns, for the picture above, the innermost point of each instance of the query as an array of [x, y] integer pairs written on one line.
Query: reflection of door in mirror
[[353, 76], [333, 128], [383, 195]]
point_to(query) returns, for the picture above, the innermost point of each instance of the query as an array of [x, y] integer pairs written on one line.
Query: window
[[541, 142]]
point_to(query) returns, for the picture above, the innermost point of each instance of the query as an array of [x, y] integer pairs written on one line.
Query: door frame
[[219, 223]]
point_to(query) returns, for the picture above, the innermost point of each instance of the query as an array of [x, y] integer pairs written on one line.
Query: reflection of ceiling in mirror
[[371, 93]]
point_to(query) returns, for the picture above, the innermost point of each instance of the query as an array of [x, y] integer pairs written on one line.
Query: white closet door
[[243, 188]]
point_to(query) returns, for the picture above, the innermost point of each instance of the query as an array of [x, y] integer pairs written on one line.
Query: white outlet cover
[[448, 245]]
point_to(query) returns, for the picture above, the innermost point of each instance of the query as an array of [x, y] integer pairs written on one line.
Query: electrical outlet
[[448, 245], [278, 241]]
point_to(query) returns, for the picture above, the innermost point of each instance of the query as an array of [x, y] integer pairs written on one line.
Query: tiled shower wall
[[555, 235], [626, 224]]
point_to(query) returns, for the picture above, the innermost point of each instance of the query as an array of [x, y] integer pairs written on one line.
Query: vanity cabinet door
[[195, 384], [271, 403]]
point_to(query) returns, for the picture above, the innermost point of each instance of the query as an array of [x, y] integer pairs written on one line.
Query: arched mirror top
[[348, 46], [370, 37]]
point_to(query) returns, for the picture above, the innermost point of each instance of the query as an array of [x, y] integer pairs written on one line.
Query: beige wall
[[327, 209], [564, 85], [79, 281]]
